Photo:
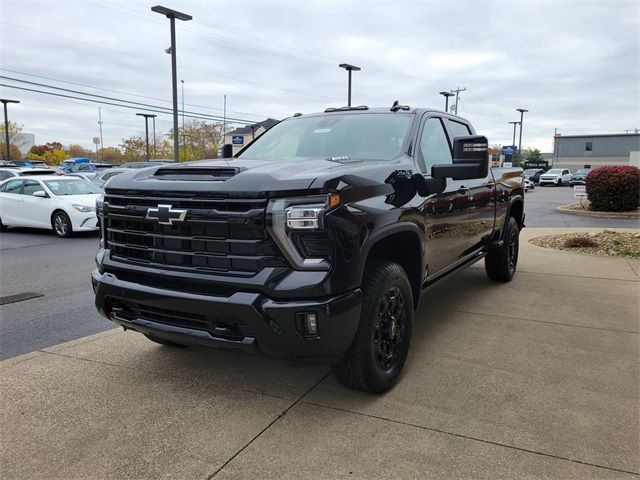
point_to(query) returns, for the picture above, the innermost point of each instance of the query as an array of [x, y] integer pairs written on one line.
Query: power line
[[109, 103], [120, 92], [214, 117]]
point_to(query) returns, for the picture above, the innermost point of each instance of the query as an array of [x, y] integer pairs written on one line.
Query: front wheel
[[3, 227], [559, 183], [61, 224], [379, 350], [500, 265]]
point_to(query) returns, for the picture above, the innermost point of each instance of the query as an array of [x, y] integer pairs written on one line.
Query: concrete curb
[[582, 213]]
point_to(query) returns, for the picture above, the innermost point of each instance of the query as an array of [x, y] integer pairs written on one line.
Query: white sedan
[[63, 204]]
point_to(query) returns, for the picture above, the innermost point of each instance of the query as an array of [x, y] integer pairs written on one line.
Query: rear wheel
[[379, 350], [162, 341], [61, 224], [500, 265]]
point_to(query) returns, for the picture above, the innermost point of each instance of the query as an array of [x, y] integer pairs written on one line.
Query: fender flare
[[512, 201], [381, 234]]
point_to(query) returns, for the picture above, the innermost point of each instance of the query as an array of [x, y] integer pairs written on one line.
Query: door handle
[[462, 190]]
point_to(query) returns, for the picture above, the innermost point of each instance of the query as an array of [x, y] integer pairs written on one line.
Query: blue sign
[[508, 152], [237, 140]]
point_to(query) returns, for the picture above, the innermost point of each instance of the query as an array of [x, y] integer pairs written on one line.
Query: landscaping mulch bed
[[606, 242]]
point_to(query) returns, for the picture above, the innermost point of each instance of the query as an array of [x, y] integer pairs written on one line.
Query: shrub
[[614, 188]]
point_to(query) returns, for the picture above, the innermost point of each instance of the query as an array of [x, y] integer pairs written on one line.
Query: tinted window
[[12, 186], [457, 129], [434, 146], [363, 136], [4, 175], [31, 186]]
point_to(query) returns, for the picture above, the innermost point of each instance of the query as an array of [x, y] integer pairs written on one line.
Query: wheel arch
[[398, 243]]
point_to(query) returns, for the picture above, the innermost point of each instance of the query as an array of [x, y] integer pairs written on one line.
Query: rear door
[[10, 197], [482, 209], [447, 213]]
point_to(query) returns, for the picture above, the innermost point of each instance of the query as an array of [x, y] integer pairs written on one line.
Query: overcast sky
[[574, 65]]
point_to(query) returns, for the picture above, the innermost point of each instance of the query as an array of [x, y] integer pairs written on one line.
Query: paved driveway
[[535, 378]]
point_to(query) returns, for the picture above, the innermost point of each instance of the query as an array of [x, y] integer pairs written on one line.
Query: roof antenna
[[396, 106]]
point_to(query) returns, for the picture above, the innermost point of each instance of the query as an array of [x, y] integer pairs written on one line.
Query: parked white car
[[556, 176], [528, 185], [60, 203], [10, 172]]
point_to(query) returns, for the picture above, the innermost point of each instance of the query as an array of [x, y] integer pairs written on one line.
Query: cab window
[[457, 129], [434, 147]]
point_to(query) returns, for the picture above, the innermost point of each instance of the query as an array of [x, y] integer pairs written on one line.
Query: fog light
[[310, 323]]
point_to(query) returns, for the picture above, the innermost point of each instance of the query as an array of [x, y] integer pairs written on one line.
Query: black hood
[[252, 177]]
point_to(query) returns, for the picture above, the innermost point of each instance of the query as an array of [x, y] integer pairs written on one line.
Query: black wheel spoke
[[388, 333]]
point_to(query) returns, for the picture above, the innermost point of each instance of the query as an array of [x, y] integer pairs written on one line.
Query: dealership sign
[[580, 191], [237, 140]]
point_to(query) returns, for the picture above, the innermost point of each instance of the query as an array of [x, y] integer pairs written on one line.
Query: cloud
[[574, 65]]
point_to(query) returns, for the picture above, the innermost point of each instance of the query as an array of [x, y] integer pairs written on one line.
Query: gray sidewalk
[[535, 378]]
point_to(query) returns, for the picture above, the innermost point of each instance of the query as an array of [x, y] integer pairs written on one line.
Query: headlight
[[290, 215], [84, 209], [99, 205]]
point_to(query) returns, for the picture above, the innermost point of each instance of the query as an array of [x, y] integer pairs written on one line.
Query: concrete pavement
[[538, 378]]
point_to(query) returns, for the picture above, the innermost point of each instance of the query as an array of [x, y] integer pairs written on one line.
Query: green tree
[[134, 148], [533, 155]]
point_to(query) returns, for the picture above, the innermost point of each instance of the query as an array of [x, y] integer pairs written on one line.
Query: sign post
[[580, 191]]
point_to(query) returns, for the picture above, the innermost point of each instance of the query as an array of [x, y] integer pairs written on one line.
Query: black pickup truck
[[314, 243]]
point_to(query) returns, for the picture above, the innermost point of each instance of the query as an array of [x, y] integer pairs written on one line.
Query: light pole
[[184, 145], [146, 116], [6, 124], [446, 99], [172, 15], [155, 152], [514, 133], [349, 68], [100, 123], [521, 110]]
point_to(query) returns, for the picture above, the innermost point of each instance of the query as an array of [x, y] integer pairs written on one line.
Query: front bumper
[[83, 221], [578, 181], [245, 321]]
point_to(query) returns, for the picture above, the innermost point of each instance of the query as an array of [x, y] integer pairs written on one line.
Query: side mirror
[[227, 151], [470, 159], [40, 194], [405, 187]]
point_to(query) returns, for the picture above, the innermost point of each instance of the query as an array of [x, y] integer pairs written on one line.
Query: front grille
[[218, 235], [222, 328]]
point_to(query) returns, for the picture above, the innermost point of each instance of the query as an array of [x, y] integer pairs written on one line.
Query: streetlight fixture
[[514, 132], [6, 124], [172, 15], [446, 99], [147, 116], [349, 68], [521, 110]]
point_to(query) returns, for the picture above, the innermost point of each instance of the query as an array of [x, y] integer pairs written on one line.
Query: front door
[[447, 213]]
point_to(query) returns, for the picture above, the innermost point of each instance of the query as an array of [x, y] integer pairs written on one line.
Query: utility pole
[[349, 68], [513, 143], [224, 119], [457, 92], [100, 123], [6, 125], [184, 145], [155, 152], [146, 116], [446, 100], [172, 15], [521, 110]]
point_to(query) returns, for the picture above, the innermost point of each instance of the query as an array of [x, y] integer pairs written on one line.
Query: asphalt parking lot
[[535, 378]]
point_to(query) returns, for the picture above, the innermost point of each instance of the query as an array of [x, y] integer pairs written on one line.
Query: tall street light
[[147, 116], [172, 15], [514, 132], [446, 99], [349, 68], [521, 110], [6, 125]]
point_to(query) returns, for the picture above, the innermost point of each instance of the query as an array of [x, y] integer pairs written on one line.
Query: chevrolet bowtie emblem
[[165, 215]]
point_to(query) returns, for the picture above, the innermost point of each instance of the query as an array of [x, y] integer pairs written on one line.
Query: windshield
[[364, 136], [555, 171], [71, 187], [531, 171], [583, 171]]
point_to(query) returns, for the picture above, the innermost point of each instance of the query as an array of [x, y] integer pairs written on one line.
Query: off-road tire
[[58, 229], [361, 367], [162, 341], [501, 264]]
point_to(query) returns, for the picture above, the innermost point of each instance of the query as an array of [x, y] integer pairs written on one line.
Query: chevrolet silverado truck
[[314, 243]]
